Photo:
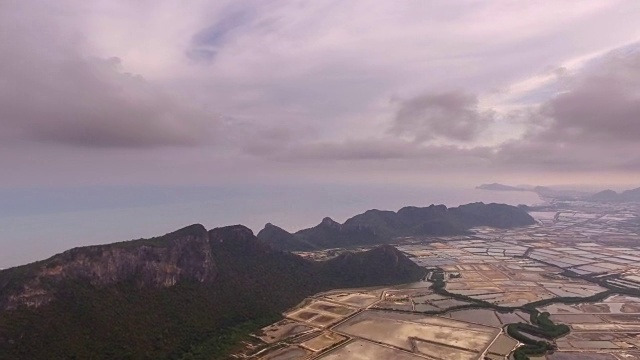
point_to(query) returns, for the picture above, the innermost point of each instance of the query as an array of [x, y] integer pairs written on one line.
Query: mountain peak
[[238, 240], [232, 231], [235, 236], [382, 265], [269, 227], [193, 230], [281, 239], [327, 221]]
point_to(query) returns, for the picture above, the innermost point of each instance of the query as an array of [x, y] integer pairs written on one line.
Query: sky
[[96, 93], [235, 94]]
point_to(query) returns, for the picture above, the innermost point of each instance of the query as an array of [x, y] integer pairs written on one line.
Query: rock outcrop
[[282, 239], [160, 262]]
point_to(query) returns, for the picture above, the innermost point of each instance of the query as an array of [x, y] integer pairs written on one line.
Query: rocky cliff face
[[169, 297], [193, 254], [161, 262]]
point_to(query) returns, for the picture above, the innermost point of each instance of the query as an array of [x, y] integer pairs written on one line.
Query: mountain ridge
[[177, 296], [381, 226], [631, 195]]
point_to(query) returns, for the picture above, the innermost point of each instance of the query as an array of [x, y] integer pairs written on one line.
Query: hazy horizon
[[112, 106], [100, 217], [38, 223]]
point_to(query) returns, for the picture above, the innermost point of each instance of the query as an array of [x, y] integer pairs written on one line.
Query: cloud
[[604, 105], [592, 125], [447, 115], [283, 147], [295, 83], [383, 150], [266, 142], [55, 94]]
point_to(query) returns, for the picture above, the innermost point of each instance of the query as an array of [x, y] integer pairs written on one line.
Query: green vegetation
[[542, 327], [125, 322], [133, 319], [224, 342]]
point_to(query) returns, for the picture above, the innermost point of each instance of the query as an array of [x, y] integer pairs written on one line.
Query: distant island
[[499, 187], [542, 191], [563, 193]]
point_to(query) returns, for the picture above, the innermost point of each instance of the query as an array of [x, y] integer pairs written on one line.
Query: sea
[[38, 223]]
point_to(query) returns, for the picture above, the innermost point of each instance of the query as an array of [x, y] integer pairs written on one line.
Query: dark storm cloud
[[604, 106], [448, 115], [90, 103], [594, 124], [50, 93]]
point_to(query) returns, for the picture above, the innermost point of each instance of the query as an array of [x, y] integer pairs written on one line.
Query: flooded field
[[593, 356], [476, 316], [577, 251], [503, 346], [364, 350], [410, 332], [289, 353], [319, 313], [323, 341], [355, 299], [514, 317], [598, 327], [615, 305], [514, 282], [282, 330], [437, 351]]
